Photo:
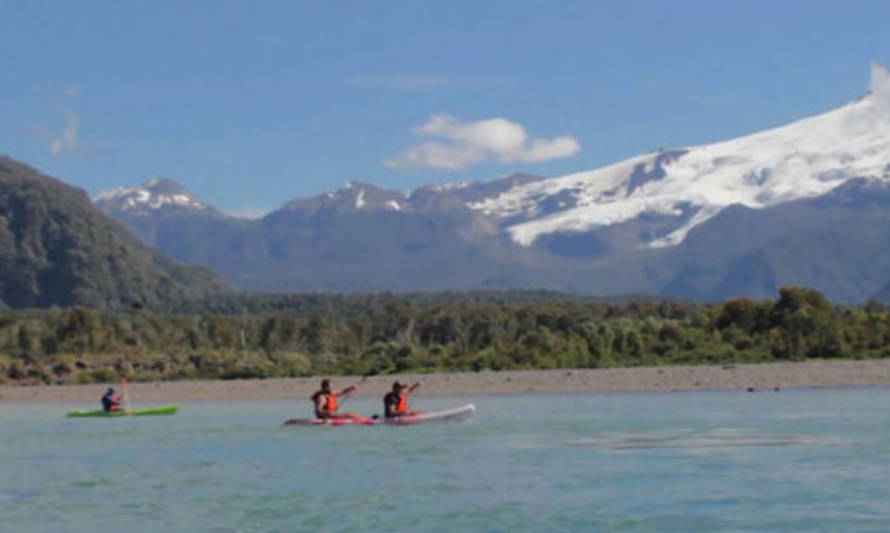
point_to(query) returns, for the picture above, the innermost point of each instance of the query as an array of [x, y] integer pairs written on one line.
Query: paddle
[[409, 391], [126, 396], [352, 388], [345, 395]]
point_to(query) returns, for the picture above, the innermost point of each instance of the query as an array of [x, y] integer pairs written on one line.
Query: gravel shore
[[675, 378]]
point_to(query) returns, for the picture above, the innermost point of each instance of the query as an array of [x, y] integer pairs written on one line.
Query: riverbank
[[674, 378]]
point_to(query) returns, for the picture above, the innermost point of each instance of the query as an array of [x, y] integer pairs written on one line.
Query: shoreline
[[758, 376]]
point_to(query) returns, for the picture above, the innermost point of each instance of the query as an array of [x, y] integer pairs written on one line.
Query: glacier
[[804, 159]]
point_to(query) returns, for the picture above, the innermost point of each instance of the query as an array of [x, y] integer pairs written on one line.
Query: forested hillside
[[387, 334], [56, 248]]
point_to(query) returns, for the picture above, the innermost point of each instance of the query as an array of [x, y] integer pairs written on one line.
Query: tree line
[[382, 334]]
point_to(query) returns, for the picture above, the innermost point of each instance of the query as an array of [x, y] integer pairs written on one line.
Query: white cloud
[[547, 149], [880, 79], [67, 138], [880, 85], [469, 143], [437, 155]]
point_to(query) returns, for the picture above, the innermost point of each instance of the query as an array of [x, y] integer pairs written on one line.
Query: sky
[[251, 104]]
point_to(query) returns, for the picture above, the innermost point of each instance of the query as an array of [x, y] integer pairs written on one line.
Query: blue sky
[[250, 104]]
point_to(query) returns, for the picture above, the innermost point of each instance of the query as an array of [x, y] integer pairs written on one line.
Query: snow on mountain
[[353, 195], [464, 192], [803, 159], [152, 195], [451, 186]]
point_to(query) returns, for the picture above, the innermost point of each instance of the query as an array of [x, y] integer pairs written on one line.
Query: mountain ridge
[[805, 158], [618, 229]]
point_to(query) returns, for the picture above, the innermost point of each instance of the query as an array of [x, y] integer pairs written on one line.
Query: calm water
[[814, 460]]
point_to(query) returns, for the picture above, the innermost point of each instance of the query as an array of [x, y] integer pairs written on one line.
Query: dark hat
[[397, 385]]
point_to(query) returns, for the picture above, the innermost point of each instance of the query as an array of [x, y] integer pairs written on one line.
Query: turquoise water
[[808, 460]]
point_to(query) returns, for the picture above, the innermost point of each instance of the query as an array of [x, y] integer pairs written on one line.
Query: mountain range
[[805, 203]]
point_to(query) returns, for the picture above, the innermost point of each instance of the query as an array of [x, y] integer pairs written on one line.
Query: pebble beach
[[753, 377]]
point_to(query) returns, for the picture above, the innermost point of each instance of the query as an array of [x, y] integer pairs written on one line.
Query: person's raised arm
[[414, 387], [347, 390]]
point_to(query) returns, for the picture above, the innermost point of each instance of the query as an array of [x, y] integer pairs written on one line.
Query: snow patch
[[452, 186], [143, 197], [803, 159]]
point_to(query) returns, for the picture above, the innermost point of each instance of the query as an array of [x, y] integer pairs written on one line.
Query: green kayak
[[162, 410]]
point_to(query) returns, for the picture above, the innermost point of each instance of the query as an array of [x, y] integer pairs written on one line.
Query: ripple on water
[[698, 440]]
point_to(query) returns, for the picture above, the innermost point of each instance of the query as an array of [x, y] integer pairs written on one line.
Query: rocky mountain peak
[[152, 195]]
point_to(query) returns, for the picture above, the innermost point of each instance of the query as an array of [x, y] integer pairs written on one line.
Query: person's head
[[110, 390], [326, 386], [397, 387]]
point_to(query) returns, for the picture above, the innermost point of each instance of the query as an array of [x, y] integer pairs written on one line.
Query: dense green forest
[[378, 334], [56, 248]]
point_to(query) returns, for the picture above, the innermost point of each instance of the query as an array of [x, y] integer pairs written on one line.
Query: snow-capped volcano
[[804, 159], [152, 195]]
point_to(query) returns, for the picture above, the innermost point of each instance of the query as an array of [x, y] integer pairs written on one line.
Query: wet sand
[[676, 378]]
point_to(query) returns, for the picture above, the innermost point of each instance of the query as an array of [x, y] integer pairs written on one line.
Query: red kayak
[[330, 422], [460, 413]]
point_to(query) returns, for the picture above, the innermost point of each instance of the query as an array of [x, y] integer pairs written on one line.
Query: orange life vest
[[402, 406], [331, 403]]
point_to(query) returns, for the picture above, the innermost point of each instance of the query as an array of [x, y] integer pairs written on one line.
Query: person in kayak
[[327, 401], [395, 403], [111, 401]]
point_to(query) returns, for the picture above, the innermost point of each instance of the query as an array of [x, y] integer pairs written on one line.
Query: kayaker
[[327, 401], [395, 403], [111, 401]]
